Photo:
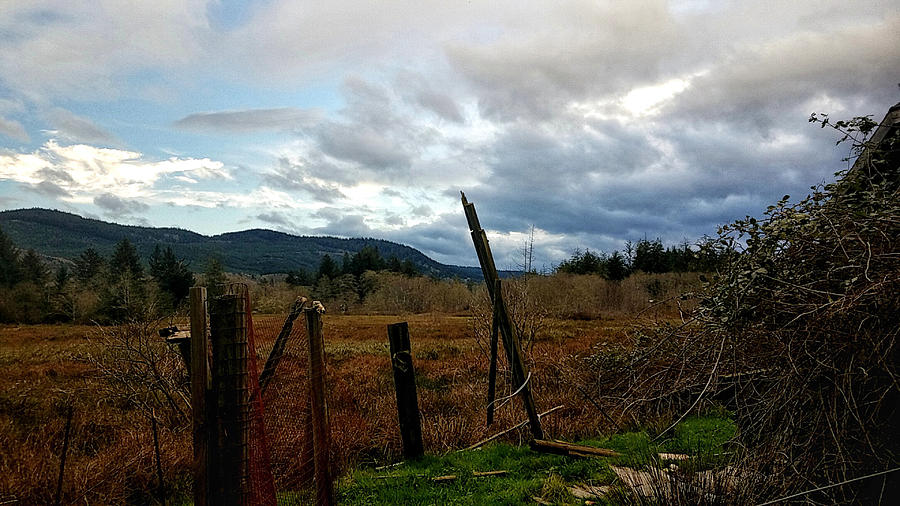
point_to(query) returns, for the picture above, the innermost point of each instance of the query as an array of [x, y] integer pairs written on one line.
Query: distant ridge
[[257, 251]]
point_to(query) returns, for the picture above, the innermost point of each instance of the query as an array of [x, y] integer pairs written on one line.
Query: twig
[[62, 458], [708, 382], [514, 427], [826, 487], [602, 412]]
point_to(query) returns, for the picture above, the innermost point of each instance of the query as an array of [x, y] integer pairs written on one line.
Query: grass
[[529, 474], [111, 452]]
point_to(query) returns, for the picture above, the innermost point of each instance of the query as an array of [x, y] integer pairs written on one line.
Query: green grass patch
[[529, 473]]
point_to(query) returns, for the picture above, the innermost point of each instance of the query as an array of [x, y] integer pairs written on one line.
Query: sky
[[592, 122]]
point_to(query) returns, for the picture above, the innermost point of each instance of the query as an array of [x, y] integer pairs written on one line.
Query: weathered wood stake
[[492, 371], [510, 339], [320, 428], [199, 386], [405, 386]]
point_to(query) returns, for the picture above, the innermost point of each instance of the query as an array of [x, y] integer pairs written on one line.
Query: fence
[[258, 428]]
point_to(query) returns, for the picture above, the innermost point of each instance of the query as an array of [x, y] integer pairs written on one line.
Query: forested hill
[[65, 235]]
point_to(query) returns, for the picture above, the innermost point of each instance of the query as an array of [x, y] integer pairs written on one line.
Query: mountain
[[65, 235]]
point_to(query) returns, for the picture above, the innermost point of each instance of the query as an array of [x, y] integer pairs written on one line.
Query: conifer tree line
[[349, 279], [92, 287], [649, 257], [121, 287]]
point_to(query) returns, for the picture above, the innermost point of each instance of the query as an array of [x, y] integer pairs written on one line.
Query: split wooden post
[[405, 386], [510, 340], [320, 428], [492, 370], [228, 336], [199, 386]]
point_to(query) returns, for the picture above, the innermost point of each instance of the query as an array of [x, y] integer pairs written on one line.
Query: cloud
[[117, 206], [77, 129], [250, 120], [845, 69], [273, 218], [85, 50], [304, 176], [49, 189], [587, 50], [13, 129], [440, 104], [80, 173]]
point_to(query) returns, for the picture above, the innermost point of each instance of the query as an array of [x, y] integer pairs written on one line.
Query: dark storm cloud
[[117, 206], [250, 120]]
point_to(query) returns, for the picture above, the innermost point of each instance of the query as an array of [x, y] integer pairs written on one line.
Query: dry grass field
[[44, 369]]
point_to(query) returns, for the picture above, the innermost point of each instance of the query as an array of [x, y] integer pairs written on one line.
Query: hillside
[[65, 235]]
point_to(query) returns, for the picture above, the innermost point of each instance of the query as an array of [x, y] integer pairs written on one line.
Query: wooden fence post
[[228, 333], [319, 408], [405, 386], [199, 371], [510, 340]]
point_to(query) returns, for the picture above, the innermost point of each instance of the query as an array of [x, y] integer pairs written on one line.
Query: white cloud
[[85, 172]]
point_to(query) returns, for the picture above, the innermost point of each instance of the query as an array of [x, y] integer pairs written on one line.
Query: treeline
[[351, 280], [92, 287], [650, 257]]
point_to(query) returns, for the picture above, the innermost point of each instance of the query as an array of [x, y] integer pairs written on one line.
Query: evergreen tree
[[124, 295], [300, 277], [125, 258], [327, 267], [62, 278], [407, 268], [214, 278], [10, 265], [33, 268], [616, 270], [88, 265], [366, 259], [171, 275]]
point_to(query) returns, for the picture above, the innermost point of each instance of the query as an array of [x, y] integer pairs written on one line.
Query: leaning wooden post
[[492, 370], [199, 371], [405, 386], [319, 408], [510, 340], [228, 333]]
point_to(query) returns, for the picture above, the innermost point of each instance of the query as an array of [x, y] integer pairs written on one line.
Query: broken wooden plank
[[572, 450], [488, 473], [280, 342]]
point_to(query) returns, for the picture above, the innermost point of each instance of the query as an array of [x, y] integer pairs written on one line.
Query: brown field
[[43, 369]]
